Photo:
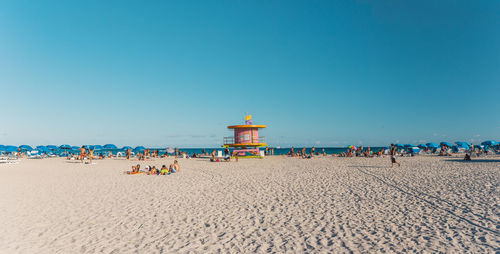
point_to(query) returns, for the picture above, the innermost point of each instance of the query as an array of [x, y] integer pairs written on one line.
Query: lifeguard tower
[[246, 139]]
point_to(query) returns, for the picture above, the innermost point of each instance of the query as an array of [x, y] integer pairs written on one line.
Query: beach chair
[[8, 159], [34, 155]]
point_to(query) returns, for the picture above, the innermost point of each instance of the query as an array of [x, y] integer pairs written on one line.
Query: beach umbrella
[[42, 148], [463, 144], [127, 147], [11, 148], [414, 149], [26, 147], [94, 147], [422, 146], [352, 147], [399, 145], [445, 144], [489, 143], [139, 148], [409, 145], [2, 147], [75, 147], [432, 145], [64, 147], [52, 147], [110, 146], [170, 150]]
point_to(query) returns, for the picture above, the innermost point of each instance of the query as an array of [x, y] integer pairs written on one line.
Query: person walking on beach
[[393, 156], [128, 153]]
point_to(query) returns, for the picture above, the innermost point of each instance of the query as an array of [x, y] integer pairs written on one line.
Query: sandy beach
[[277, 204]]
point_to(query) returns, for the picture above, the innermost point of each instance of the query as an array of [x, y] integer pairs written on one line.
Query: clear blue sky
[[324, 73]]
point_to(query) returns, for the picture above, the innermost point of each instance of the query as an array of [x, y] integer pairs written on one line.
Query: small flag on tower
[[248, 119]]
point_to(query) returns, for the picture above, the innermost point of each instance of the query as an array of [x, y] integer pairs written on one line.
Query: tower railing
[[231, 141]]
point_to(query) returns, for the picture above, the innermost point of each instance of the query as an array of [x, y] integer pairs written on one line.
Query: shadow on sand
[[474, 160]]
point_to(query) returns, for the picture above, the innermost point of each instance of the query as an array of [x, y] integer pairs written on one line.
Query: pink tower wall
[[244, 135]]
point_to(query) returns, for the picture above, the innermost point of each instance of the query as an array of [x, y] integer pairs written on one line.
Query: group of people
[[351, 152], [152, 170], [86, 153]]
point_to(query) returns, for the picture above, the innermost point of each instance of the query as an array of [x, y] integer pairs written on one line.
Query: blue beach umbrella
[[110, 146], [26, 148], [422, 146], [75, 147], [432, 145], [139, 148], [462, 144], [445, 144], [489, 143], [42, 149], [52, 147], [65, 147], [414, 149], [127, 147], [409, 145], [11, 148], [2, 147], [399, 145], [94, 147]]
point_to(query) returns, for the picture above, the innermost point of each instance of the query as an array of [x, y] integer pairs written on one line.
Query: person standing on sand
[[91, 154], [393, 156], [128, 153], [82, 153], [292, 152]]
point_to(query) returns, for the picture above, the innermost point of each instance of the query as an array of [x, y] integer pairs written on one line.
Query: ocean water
[[277, 151]]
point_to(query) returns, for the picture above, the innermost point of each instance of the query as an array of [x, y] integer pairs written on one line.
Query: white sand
[[276, 204]]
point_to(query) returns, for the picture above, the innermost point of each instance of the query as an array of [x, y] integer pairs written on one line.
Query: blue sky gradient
[[176, 73]]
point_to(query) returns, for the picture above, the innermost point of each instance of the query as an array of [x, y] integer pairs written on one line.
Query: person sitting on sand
[[174, 168], [153, 171], [467, 157], [164, 170], [135, 169]]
